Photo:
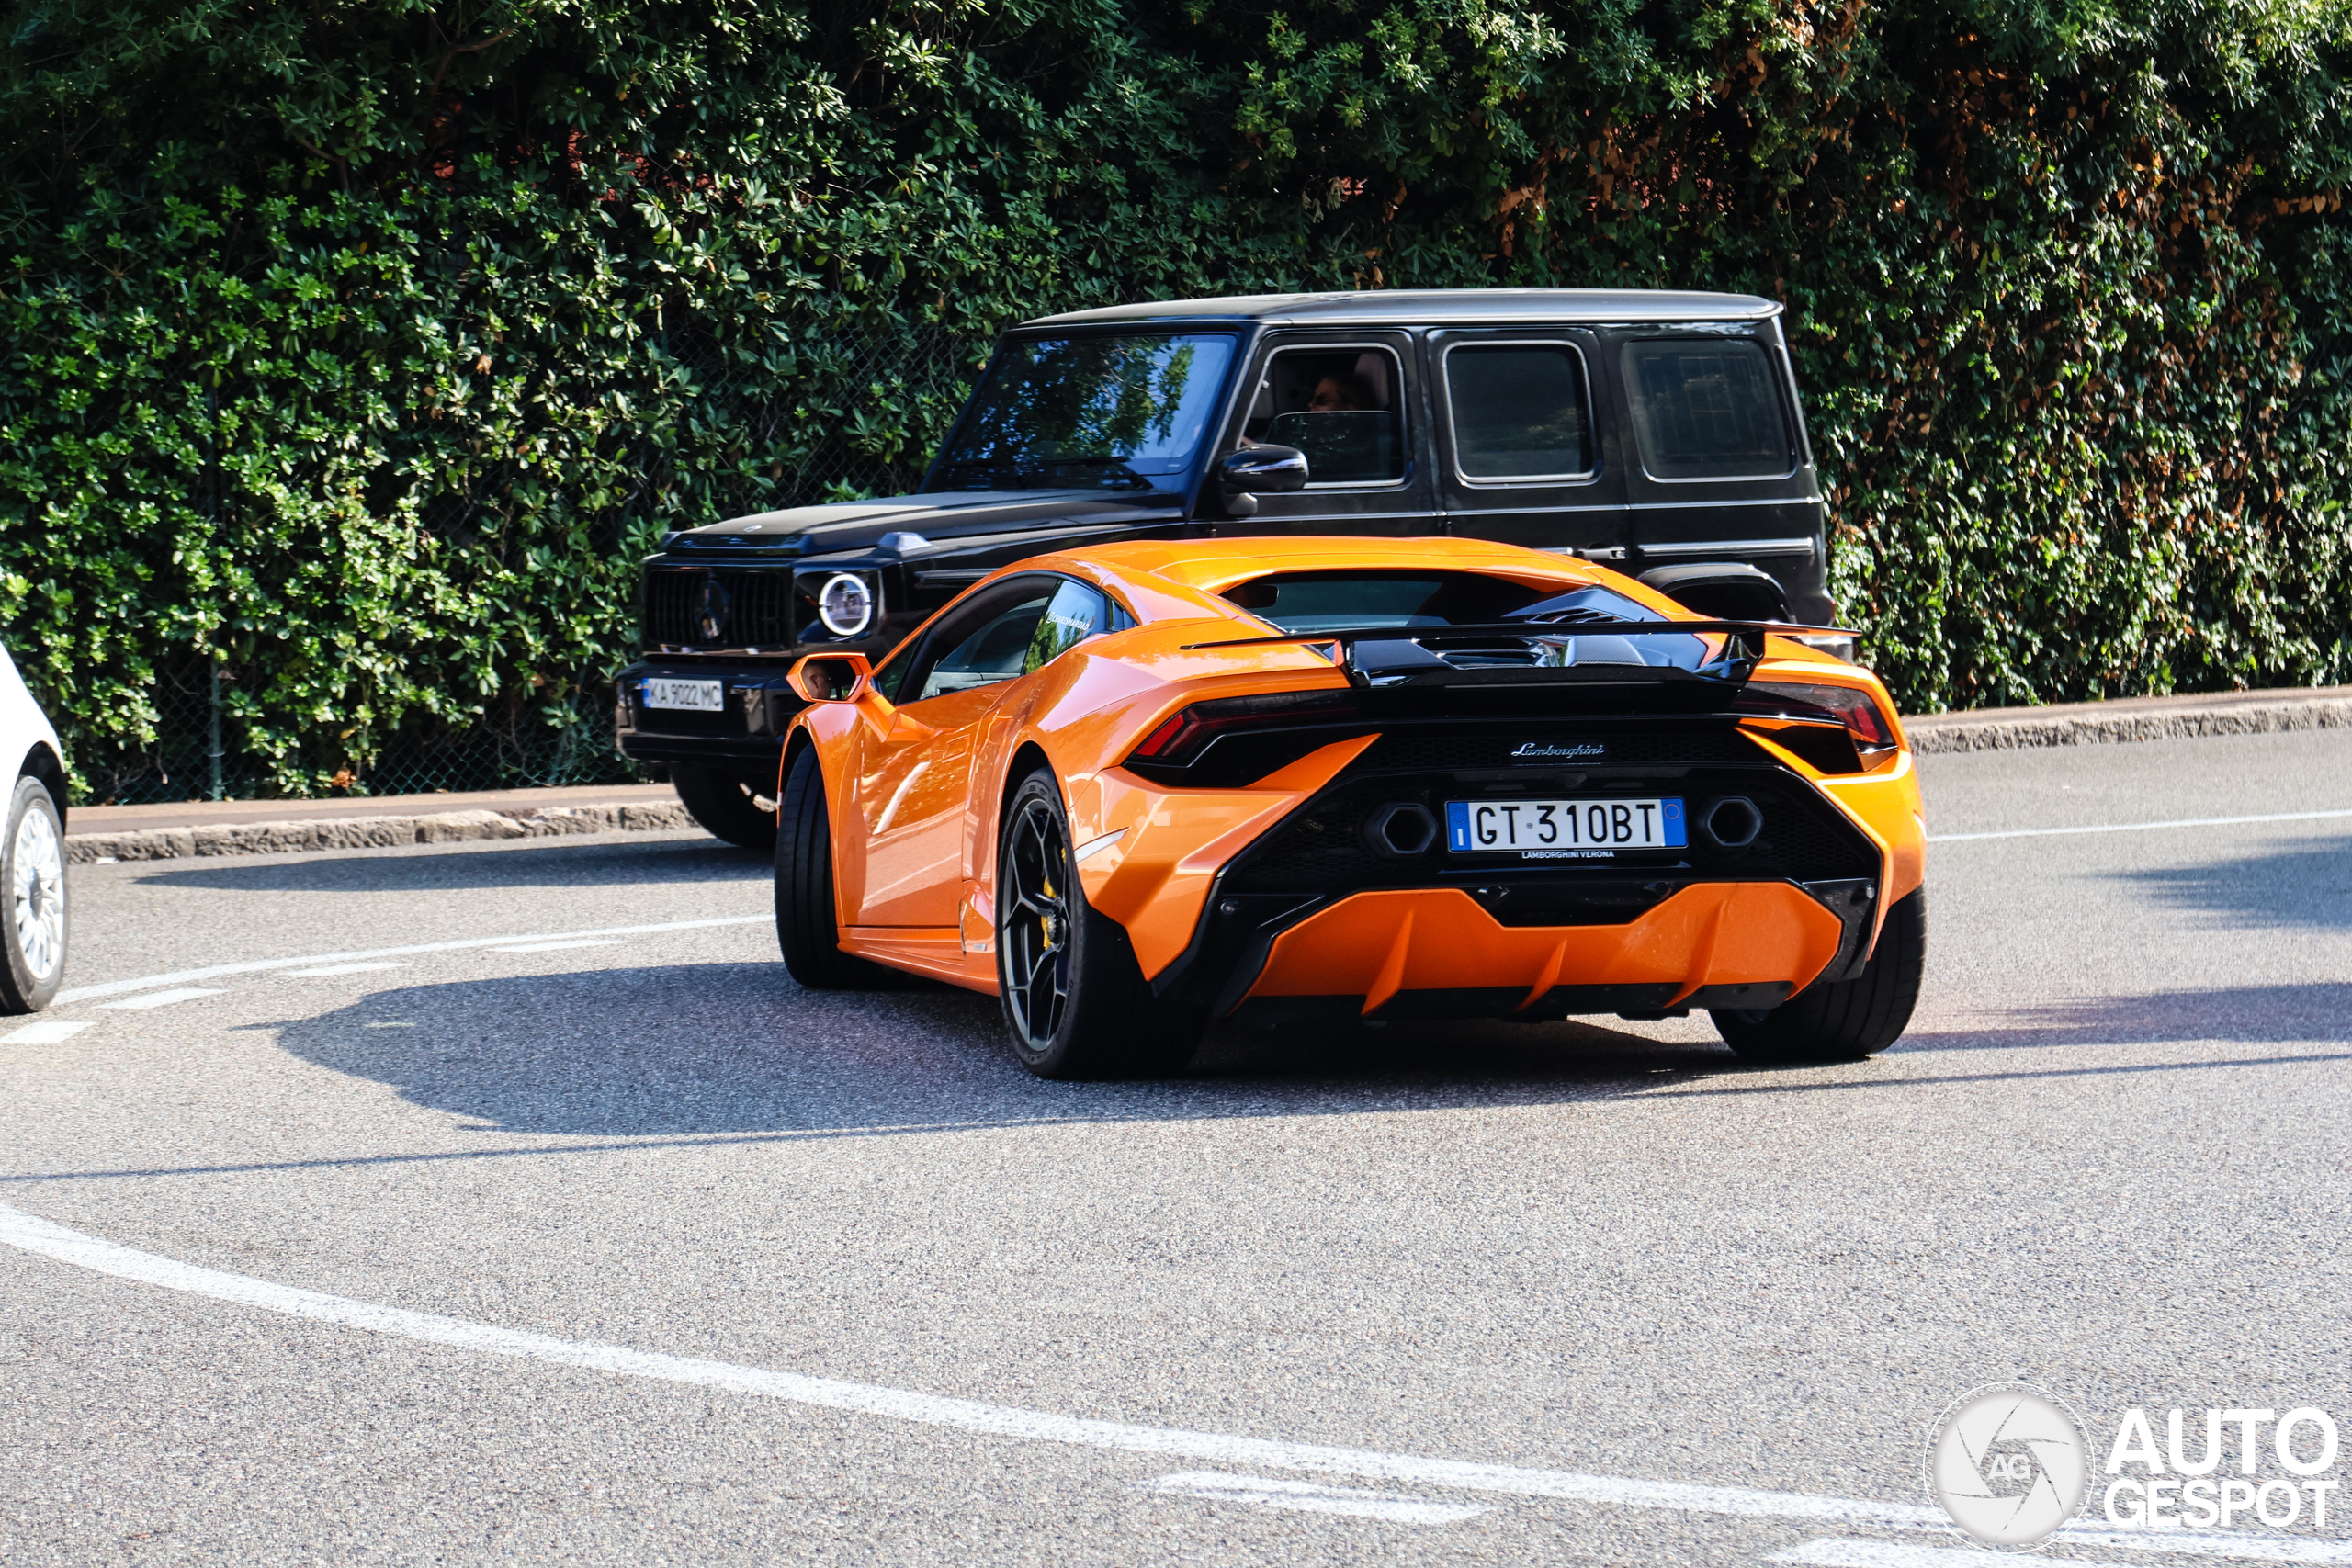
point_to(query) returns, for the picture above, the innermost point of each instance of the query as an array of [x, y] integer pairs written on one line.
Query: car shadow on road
[[697, 1050], [2308, 885], [735, 1052], [2261, 1015], [544, 862], [715, 1048]]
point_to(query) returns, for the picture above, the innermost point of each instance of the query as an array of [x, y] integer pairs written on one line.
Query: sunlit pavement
[[2108, 1159]]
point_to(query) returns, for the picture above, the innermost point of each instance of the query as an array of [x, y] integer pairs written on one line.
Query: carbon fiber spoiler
[[1417, 656], [1532, 630]]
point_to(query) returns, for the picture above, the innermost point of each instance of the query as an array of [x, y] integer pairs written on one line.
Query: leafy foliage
[[358, 349]]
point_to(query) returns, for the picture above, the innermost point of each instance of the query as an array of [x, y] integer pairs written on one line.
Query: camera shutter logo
[[2008, 1462]]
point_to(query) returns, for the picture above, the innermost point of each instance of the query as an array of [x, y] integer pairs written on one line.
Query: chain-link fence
[[844, 416], [198, 753]]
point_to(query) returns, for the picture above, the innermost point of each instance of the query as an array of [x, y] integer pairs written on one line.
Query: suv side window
[[1342, 405], [1708, 409], [1521, 412]]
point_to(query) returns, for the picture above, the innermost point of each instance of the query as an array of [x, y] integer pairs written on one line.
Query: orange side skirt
[[1376, 945]]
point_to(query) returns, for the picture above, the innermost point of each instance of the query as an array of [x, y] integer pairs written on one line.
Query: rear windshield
[[1327, 600], [1708, 409], [1320, 601]]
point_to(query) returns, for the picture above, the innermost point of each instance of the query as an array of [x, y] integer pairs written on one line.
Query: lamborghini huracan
[[1135, 788]]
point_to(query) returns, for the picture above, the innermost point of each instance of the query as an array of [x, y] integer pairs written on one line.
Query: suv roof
[[1437, 307]]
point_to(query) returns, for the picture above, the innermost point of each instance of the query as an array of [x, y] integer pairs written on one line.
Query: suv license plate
[[1520, 827], [696, 696]]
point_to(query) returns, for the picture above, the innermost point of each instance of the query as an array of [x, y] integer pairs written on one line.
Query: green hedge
[[354, 351]]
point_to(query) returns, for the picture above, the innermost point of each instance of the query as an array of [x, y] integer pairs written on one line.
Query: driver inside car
[[1343, 391]]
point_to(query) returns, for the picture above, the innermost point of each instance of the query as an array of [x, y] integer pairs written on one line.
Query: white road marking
[[555, 946], [1305, 1497], [348, 969], [1879, 1554], [47, 1031], [1833, 1553], [261, 965], [2207, 1543], [164, 999], [2139, 826], [32, 1234]]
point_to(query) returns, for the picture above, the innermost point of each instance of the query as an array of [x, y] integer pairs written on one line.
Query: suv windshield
[[1110, 412]]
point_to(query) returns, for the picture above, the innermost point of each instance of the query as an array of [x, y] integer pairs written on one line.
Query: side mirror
[[830, 677], [1254, 472]]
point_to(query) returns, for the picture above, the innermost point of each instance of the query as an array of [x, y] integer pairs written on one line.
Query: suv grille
[[718, 607]]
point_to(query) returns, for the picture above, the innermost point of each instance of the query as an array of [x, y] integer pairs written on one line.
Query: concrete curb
[[2136, 718], [372, 832]]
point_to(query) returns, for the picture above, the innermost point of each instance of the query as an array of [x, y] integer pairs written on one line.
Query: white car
[[33, 850]]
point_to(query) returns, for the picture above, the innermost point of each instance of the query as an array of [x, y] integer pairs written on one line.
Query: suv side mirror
[[830, 677], [1254, 472]]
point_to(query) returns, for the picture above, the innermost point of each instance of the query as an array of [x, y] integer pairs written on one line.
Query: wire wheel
[[38, 898], [1035, 924]]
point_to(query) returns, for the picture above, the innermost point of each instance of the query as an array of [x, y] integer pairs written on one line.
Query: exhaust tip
[[1400, 829], [1731, 821]]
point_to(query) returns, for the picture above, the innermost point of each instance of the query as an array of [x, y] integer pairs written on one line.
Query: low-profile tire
[[808, 927], [33, 926], [723, 804], [1847, 1020], [1075, 1000]]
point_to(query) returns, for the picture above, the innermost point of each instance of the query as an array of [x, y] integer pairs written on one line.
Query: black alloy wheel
[[1034, 929], [1075, 1000]]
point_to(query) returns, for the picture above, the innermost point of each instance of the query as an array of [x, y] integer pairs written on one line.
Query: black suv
[[1658, 432]]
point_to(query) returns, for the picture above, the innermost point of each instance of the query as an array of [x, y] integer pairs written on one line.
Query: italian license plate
[[1564, 830], [696, 696]]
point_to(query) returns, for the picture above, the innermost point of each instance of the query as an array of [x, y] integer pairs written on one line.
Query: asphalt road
[[2108, 1159]]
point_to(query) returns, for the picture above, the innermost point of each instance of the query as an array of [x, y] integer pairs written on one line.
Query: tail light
[[1866, 726], [1178, 741]]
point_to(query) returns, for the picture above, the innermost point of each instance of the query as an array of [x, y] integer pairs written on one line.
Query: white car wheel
[[34, 875]]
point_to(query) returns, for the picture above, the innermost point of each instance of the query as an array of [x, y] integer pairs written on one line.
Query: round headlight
[[846, 604]]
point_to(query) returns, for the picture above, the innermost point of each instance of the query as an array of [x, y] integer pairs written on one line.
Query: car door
[[1352, 401], [914, 782], [1524, 459]]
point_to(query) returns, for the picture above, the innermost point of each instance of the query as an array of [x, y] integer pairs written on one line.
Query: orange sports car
[[1133, 788]]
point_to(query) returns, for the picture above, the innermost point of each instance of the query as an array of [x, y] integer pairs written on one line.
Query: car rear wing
[[1533, 652]]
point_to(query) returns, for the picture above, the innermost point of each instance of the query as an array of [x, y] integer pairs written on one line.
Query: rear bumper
[[1439, 953], [1268, 902]]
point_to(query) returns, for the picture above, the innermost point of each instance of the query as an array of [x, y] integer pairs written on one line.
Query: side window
[[1343, 407], [1078, 610], [1520, 411], [993, 651], [998, 637], [1708, 409]]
